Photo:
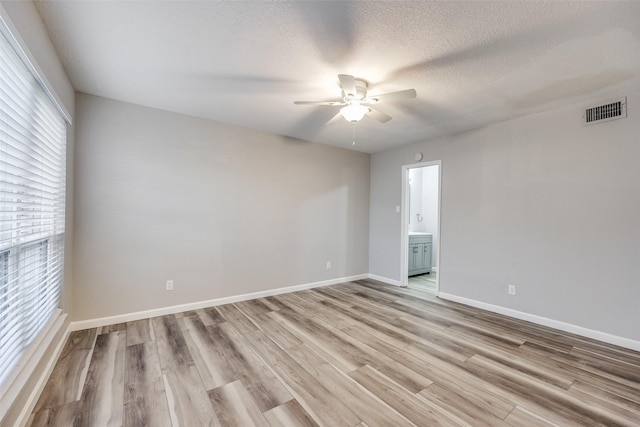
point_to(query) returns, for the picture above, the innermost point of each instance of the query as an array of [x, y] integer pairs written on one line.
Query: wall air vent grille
[[606, 112]]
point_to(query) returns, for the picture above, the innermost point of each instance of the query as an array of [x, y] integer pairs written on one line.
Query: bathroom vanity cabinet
[[419, 255]]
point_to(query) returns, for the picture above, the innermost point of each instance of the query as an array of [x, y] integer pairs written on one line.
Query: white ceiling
[[245, 63]]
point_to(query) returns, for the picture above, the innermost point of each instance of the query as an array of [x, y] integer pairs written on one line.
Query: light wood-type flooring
[[355, 354], [424, 282]]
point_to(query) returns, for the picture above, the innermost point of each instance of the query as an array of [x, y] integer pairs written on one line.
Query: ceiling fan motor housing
[[361, 92]]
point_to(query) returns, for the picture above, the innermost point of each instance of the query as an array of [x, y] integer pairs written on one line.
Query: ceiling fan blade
[[332, 103], [348, 84], [335, 119], [392, 96], [378, 115]]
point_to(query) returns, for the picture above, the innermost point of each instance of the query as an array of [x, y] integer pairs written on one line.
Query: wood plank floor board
[[273, 302], [214, 355], [521, 417], [428, 340], [433, 338], [145, 400], [459, 340], [188, 401], [381, 309], [629, 373], [389, 330], [355, 354], [545, 400], [257, 377], [289, 414], [198, 344], [293, 306], [368, 407], [598, 370], [62, 416], [324, 407], [69, 374], [472, 411], [478, 331], [612, 406], [333, 295], [389, 366], [394, 368], [569, 341], [139, 331], [604, 395], [278, 331], [395, 292], [611, 352], [448, 372], [509, 355], [112, 328], [234, 406], [210, 316], [540, 334], [322, 341], [256, 307], [308, 296], [103, 392], [409, 405], [172, 347], [232, 314], [336, 309], [597, 381]]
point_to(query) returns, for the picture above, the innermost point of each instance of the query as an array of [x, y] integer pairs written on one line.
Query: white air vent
[[612, 110]]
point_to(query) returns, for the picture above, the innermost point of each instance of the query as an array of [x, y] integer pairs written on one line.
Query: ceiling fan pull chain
[[354, 133]]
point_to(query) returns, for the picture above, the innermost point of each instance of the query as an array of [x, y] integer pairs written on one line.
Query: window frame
[[32, 242]]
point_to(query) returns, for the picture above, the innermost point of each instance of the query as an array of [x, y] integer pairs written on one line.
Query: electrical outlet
[[328, 265], [169, 285], [512, 289]]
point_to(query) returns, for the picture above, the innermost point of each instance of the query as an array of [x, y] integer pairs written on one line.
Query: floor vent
[[606, 112]]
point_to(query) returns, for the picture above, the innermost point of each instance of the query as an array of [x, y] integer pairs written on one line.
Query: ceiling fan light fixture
[[354, 112]]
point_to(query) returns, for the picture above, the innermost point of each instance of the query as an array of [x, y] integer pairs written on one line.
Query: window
[[32, 200]]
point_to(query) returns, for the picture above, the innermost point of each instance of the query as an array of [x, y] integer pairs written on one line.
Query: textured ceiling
[[244, 63]]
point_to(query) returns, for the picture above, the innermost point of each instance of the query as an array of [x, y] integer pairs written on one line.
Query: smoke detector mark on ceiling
[[610, 110]]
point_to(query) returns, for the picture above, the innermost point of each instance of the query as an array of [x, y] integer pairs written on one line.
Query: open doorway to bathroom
[[421, 226]]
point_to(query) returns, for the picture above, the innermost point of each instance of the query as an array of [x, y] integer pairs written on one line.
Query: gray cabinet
[[419, 255]]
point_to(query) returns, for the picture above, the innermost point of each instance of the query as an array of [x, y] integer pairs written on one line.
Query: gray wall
[[219, 209], [539, 201]]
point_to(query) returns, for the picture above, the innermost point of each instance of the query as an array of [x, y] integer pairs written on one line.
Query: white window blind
[[32, 206]]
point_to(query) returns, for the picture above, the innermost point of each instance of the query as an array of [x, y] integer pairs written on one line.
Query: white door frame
[[404, 234]]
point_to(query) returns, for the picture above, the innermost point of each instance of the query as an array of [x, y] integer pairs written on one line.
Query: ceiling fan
[[355, 102]]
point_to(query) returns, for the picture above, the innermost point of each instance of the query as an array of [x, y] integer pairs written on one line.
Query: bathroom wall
[[424, 201], [415, 199]]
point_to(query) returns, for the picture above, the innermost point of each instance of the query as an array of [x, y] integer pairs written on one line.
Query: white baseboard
[[544, 321], [434, 269], [139, 315], [385, 280]]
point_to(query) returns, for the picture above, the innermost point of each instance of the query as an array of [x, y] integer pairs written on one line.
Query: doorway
[[420, 251]]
